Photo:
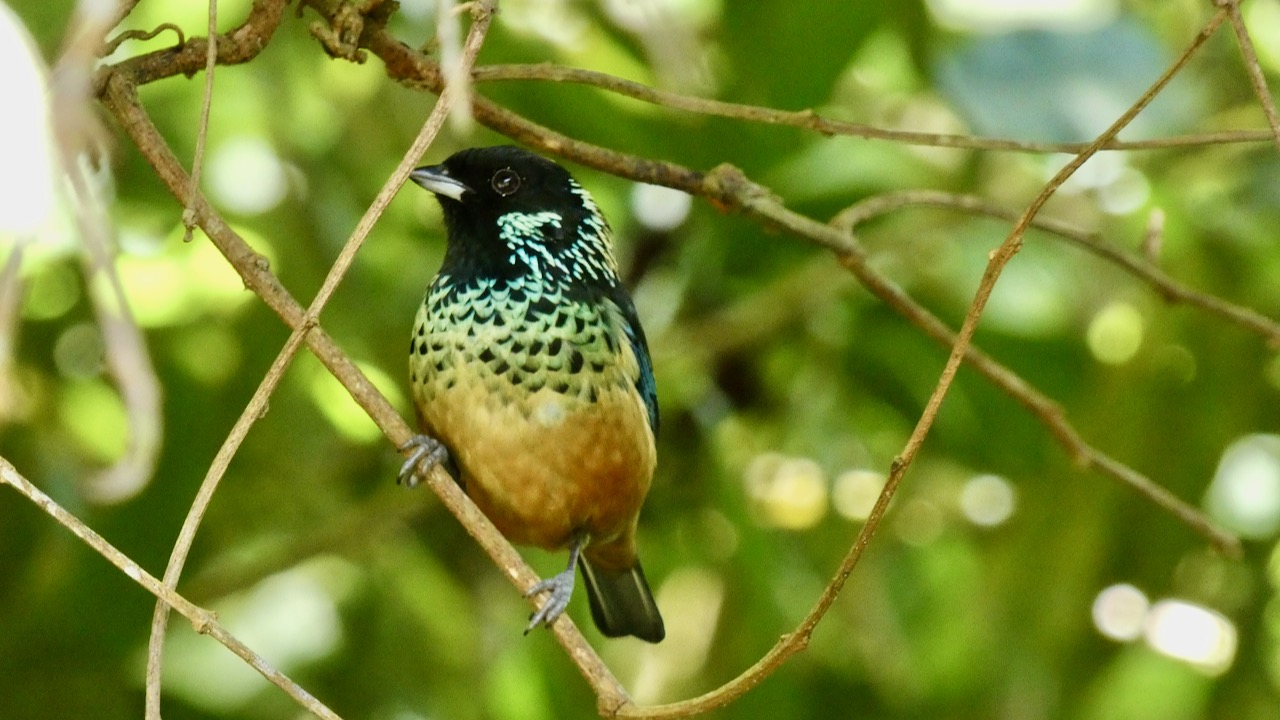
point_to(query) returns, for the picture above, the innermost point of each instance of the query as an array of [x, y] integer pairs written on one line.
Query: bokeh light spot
[[246, 176], [1263, 21], [855, 493], [1191, 633], [1097, 172], [658, 208], [1245, 492], [1120, 612], [1125, 194], [789, 493], [1032, 301], [1115, 334], [173, 288], [987, 500]]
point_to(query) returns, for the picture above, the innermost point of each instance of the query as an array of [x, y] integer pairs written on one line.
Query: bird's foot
[[560, 586], [425, 448]]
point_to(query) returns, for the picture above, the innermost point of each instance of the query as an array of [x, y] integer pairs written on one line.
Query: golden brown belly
[[548, 465]]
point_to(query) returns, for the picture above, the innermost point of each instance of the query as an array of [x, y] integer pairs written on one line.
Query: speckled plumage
[[528, 363]]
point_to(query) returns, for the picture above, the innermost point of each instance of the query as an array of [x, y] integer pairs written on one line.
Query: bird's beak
[[436, 178]]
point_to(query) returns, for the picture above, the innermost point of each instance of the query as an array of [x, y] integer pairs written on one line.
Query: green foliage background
[[375, 600]]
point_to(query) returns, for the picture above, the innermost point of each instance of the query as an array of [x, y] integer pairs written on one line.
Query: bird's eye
[[505, 182]]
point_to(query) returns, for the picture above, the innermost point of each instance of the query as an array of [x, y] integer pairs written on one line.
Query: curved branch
[[1161, 282], [810, 120], [204, 622], [187, 58], [1253, 68]]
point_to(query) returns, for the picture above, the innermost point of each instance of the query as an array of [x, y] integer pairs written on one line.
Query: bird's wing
[[629, 323]]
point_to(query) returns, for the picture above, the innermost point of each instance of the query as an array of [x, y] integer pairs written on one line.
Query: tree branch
[[1161, 282], [1252, 67], [202, 620], [809, 119], [187, 58]]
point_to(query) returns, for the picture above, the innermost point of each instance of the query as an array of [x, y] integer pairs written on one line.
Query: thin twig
[[240, 45], [457, 73], [202, 620], [1253, 67], [728, 187], [125, 349], [114, 43], [202, 133], [810, 119], [1140, 267]]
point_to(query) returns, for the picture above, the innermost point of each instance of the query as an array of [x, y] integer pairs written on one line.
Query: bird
[[531, 376]]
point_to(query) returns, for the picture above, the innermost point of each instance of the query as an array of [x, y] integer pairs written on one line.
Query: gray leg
[[561, 587]]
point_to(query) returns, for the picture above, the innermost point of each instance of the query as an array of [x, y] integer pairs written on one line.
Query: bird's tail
[[621, 602]]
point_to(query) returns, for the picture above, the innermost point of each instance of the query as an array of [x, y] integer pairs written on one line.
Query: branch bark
[[202, 620]]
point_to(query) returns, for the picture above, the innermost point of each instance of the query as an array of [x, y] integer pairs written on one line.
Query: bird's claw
[[425, 448], [560, 586]]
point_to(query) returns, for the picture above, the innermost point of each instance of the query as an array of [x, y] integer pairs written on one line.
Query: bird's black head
[[510, 213]]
